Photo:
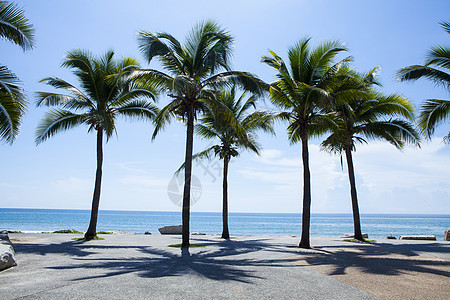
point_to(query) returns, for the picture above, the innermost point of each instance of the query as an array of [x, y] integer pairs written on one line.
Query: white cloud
[[275, 157], [388, 180]]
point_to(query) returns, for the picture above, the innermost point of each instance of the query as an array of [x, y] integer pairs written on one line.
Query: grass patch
[[95, 238], [358, 241], [68, 231], [190, 246], [105, 232]]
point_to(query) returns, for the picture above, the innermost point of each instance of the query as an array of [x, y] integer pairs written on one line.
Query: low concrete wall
[[429, 237], [352, 236], [7, 258]]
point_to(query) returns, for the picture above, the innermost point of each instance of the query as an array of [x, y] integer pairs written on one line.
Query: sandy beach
[[53, 266]]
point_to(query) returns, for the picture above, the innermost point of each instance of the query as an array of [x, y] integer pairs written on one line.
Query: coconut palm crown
[[437, 69], [300, 90], [362, 115], [216, 125], [102, 97], [194, 71], [16, 28]]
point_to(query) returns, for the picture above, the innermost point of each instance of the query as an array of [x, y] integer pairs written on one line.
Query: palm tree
[[191, 80], [16, 28], [363, 115], [437, 69], [103, 96], [300, 90], [216, 125]]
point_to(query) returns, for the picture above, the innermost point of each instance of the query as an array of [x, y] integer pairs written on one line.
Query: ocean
[[272, 224]]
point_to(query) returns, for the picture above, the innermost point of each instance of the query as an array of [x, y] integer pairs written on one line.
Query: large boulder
[[175, 229], [7, 258]]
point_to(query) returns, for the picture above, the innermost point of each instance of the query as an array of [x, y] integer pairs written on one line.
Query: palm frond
[[65, 101], [299, 59], [13, 105], [57, 120], [59, 83], [381, 106], [148, 92], [396, 132], [208, 48], [321, 124], [165, 115], [15, 27], [445, 25], [279, 98], [335, 143], [416, 72], [159, 80], [205, 154], [9, 83], [321, 57], [294, 132], [246, 81], [12, 109], [138, 109], [86, 68], [432, 113], [152, 45], [259, 120], [439, 56], [206, 132]]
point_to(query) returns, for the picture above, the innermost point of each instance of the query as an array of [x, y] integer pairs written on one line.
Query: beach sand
[[52, 266]]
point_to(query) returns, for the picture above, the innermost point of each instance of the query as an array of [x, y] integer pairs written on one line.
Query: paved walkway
[[52, 266]]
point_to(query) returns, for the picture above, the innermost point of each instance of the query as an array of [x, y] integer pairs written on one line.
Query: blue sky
[[60, 172]]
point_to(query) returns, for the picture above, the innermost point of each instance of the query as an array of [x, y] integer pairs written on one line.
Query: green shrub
[[358, 241], [95, 238], [68, 231]]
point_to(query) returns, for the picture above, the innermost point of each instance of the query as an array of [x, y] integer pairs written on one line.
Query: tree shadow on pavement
[[219, 260], [379, 258], [68, 248]]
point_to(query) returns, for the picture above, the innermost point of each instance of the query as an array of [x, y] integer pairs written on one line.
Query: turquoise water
[[322, 225]]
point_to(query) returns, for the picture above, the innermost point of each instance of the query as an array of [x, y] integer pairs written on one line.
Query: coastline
[[277, 224], [138, 266]]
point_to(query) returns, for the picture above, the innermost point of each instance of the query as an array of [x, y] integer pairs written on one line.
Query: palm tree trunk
[[90, 234], [187, 178], [351, 177], [306, 214], [225, 232]]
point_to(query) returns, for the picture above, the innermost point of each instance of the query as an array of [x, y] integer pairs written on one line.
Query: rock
[[148, 232], [198, 233], [175, 229], [390, 237], [447, 235], [352, 236], [7, 258], [428, 237]]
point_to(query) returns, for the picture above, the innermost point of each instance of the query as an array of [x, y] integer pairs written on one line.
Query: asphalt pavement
[[53, 266]]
